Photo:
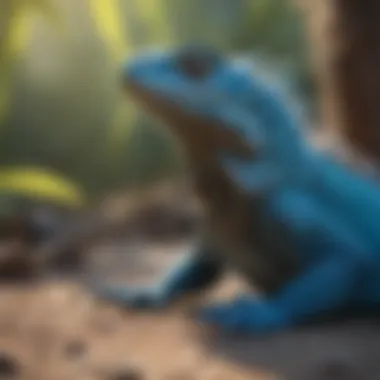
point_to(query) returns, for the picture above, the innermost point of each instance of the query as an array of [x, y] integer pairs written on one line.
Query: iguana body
[[303, 228]]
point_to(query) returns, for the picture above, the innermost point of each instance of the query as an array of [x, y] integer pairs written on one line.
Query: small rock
[[17, 267], [75, 349], [9, 367], [125, 374]]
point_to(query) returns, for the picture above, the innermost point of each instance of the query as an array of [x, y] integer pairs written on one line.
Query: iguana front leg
[[336, 262], [196, 271], [324, 287]]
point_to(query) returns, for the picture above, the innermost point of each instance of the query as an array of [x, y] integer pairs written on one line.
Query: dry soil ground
[[56, 330]]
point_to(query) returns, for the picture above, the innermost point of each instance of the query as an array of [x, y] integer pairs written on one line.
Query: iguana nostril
[[197, 62]]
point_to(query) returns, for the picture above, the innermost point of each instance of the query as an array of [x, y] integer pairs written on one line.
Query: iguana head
[[200, 92]]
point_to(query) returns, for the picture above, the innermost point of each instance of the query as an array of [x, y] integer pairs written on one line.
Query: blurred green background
[[61, 107]]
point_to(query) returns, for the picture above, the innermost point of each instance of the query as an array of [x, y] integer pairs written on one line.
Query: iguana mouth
[[156, 104], [192, 130]]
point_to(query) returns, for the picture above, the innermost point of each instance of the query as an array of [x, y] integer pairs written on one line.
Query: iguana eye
[[197, 62]]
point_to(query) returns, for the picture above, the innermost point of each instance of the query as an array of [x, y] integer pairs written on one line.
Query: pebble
[[75, 349], [124, 374], [9, 366]]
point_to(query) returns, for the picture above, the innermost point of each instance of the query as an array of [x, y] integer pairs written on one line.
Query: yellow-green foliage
[[110, 26], [43, 184], [64, 102], [15, 20]]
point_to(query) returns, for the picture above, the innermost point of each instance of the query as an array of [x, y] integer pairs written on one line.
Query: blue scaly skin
[[302, 227]]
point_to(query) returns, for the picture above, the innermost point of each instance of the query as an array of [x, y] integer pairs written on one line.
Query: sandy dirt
[[59, 332], [55, 330]]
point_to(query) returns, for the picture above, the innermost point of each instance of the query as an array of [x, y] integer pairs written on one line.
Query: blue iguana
[[301, 227]]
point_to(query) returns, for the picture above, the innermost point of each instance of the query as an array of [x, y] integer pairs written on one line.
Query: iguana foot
[[133, 297], [244, 315]]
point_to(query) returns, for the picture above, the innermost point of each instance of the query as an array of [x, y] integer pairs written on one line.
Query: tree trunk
[[345, 40]]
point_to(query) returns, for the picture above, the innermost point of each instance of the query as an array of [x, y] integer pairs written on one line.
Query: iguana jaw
[[194, 131], [156, 105]]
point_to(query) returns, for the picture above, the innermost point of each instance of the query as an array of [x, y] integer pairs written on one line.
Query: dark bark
[[347, 41]]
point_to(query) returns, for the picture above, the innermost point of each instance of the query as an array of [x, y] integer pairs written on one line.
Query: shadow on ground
[[339, 350]]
